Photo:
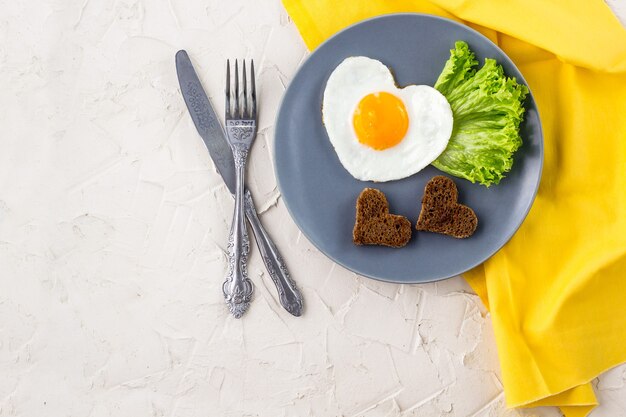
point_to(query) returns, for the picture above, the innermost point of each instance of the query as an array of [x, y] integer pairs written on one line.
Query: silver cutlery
[[210, 129], [240, 132]]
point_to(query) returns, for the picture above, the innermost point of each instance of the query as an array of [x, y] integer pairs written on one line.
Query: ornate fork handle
[[288, 292], [237, 287]]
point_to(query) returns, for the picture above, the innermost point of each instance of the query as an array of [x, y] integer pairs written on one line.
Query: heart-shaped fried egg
[[379, 131]]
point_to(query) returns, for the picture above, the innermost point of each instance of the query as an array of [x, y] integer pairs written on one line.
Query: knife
[[214, 137]]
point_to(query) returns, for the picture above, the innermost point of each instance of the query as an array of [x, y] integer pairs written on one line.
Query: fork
[[240, 131]]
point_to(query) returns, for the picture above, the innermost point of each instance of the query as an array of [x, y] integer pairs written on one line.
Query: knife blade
[[205, 119], [212, 133]]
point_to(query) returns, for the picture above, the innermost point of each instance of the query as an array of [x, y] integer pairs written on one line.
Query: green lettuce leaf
[[487, 109]]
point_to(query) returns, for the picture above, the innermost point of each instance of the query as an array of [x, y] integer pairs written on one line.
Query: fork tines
[[244, 104]]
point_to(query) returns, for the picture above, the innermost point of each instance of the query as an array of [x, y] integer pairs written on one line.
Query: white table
[[113, 227]]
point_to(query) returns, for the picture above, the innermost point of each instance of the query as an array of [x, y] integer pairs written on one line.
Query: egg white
[[429, 113]]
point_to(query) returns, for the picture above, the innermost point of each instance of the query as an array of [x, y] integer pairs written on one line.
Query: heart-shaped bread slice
[[375, 226], [441, 212]]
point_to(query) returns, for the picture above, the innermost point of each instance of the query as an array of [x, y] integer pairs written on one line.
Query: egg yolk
[[380, 120]]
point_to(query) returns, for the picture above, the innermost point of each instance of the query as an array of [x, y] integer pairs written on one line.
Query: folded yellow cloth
[[557, 290]]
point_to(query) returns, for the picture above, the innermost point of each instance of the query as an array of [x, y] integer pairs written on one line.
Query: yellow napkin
[[557, 290]]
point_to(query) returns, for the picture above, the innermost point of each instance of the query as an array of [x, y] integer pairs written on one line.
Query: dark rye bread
[[441, 213], [375, 226]]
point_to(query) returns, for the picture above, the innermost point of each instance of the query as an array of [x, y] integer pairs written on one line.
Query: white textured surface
[[113, 225]]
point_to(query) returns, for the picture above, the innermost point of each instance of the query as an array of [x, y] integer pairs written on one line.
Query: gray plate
[[320, 194]]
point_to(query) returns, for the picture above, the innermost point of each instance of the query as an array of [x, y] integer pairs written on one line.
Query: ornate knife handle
[[288, 292], [237, 287]]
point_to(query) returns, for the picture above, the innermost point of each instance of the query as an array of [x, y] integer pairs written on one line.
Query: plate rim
[[526, 209]]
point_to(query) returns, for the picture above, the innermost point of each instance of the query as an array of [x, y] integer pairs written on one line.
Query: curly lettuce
[[487, 109]]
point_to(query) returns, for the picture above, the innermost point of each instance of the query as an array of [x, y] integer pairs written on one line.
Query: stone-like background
[[113, 227]]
